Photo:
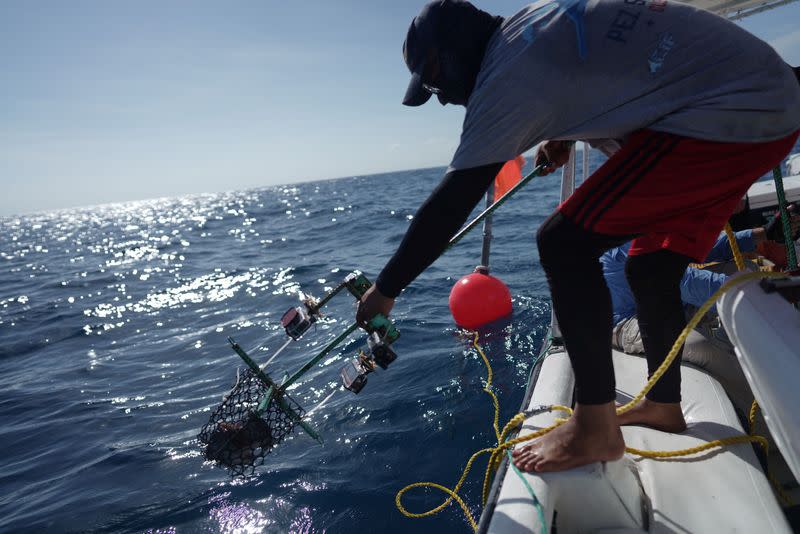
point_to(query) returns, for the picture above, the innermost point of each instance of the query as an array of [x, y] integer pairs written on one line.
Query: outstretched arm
[[437, 220]]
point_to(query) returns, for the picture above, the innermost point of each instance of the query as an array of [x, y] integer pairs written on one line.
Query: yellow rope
[[765, 445], [737, 253], [453, 494], [502, 445], [700, 448], [751, 418]]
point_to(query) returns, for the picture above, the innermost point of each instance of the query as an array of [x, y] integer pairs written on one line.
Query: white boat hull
[[765, 329]]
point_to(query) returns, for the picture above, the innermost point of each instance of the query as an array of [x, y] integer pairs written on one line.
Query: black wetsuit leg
[[570, 256], [655, 281]]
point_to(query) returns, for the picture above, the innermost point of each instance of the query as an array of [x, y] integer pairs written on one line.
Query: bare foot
[[664, 416], [592, 434]]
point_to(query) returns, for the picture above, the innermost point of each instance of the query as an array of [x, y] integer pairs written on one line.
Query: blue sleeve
[[721, 251], [697, 285]]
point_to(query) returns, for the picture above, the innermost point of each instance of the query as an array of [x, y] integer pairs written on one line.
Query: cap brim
[[416, 95]]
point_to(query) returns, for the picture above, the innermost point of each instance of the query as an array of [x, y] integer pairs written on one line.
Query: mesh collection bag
[[240, 432]]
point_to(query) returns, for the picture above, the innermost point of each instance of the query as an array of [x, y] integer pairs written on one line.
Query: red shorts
[[673, 192]]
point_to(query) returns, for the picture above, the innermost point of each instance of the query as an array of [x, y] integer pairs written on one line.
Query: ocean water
[[113, 352]]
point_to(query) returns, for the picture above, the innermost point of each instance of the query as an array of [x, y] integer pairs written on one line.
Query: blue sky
[[105, 101]]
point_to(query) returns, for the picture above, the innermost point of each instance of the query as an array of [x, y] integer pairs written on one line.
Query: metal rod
[[585, 154], [567, 188], [262, 406], [748, 12], [252, 364], [488, 211], [310, 363], [487, 229], [297, 419], [329, 296]]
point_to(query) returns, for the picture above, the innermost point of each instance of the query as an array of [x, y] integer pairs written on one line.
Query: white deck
[[723, 491]]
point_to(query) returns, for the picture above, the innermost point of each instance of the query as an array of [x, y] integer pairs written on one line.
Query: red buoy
[[478, 299]]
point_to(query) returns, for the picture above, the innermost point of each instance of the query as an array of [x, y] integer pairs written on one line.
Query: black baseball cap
[[433, 27]]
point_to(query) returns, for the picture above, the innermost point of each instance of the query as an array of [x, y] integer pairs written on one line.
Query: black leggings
[[570, 257]]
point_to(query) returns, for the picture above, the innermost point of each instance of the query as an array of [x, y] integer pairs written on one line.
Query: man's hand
[[554, 153], [371, 304], [774, 229]]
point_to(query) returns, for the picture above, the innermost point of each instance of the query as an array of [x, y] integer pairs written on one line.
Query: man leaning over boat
[[698, 108]]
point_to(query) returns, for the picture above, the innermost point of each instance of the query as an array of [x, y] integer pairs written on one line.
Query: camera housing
[[296, 322]]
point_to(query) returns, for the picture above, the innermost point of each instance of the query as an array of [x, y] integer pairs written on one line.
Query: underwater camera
[[377, 352], [354, 373], [296, 322], [380, 350]]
